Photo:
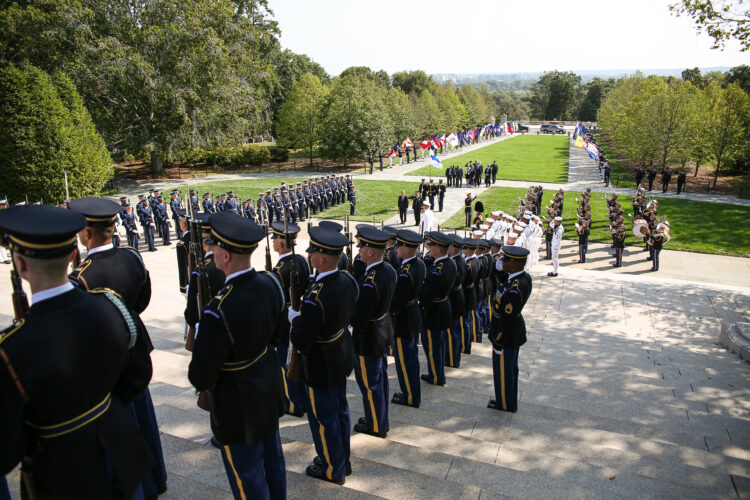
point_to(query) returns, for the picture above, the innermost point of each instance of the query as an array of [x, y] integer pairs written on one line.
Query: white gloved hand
[[497, 352], [292, 314]]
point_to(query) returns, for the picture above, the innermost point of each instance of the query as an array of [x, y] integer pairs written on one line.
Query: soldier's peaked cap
[[438, 238], [325, 240], [41, 231], [391, 231], [330, 225], [234, 233], [372, 237], [278, 229], [456, 240], [514, 252], [470, 243], [408, 238], [99, 212]]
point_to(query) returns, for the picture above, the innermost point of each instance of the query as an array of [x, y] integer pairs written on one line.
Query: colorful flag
[[452, 139], [425, 144], [442, 140], [393, 151], [592, 150], [435, 161], [407, 143], [579, 142]]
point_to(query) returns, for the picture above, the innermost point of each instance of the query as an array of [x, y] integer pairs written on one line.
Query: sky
[[486, 36]]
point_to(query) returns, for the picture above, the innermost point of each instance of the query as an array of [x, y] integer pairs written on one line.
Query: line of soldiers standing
[[473, 172], [332, 323], [666, 177]]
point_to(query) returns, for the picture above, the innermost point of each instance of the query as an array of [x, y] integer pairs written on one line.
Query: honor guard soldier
[[147, 222], [391, 253], [320, 335], [372, 330], [485, 261], [508, 330], [182, 250], [208, 204], [162, 220], [294, 391], [174, 206], [230, 205], [234, 363], [407, 318], [330, 225], [131, 230], [216, 276], [64, 383], [436, 306], [122, 271], [458, 305], [470, 294]]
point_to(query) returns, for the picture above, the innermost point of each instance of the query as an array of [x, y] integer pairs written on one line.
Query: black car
[[551, 129], [522, 128]]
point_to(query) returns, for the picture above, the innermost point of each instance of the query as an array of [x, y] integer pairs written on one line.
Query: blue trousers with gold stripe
[[294, 392], [454, 343], [477, 337], [505, 373], [256, 470], [328, 415], [470, 330], [406, 354], [371, 373], [433, 343], [142, 409], [484, 315], [4, 493]]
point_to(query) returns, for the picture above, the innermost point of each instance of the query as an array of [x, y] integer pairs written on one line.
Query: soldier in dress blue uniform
[[230, 205], [182, 250], [271, 207], [372, 330], [407, 318], [294, 391], [174, 206], [320, 335], [436, 305], [485, 260], [314, 198], [250, 212], [121, 270], [470, 294], [233, 361], [391, 255], [455, 337], [131, 230], [352, 200], [147, 222], [208, 204], [64, 383], [508, 330], [278, 206], [162, 220], [262, 208]]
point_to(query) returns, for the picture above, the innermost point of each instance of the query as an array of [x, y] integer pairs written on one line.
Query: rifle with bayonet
[[295, 361], [203, 292], [350, 266], [20, 301], [269, 266]]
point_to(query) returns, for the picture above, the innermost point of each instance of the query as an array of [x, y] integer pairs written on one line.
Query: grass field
[[618, 176], [534, 158], [374, 198], [696, 226]]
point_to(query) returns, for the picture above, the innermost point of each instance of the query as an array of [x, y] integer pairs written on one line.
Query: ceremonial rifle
[[269, 266], [203, 293], [350, 267], [20, 301]]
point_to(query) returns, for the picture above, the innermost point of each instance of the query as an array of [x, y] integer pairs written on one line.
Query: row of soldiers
[[317, 319], [666, 177], [473, 171]]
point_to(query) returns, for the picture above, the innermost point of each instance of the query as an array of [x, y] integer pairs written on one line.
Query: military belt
[[378, 319], [440, 300], [235, 366], [330, 339], [52, 431]]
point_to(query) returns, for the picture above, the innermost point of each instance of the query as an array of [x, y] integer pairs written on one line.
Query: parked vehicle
[[551, 129], [522, 128]]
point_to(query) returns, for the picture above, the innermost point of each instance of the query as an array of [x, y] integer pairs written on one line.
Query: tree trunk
[[156, 164], [311, 156], [716, 174], [697, 165]]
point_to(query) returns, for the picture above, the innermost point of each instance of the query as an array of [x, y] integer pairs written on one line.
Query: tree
[[730, 21], [413, 82], [739, 75], [300, 117], [427, 117], [511, 104], [451, 109], [379, 77], [357, 121], [45, 130], [669, 106], [554, 96], [727, 121], [289, 68], [401, 112], [693, 76], [478, 110], [594, 91]]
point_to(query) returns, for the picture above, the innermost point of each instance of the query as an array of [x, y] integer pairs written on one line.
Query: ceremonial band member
[[458, 305], [122, 270], [508, 329], [436, 306], [372, 330], [294, 391], [407, 318], [233, 361], [64, 382], [320, 333]]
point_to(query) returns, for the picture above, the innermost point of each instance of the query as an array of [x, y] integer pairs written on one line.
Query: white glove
[[497, 352], [292, 314]]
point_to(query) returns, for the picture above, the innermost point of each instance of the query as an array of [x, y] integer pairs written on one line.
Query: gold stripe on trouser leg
[[236, 475], [463, 340], [375, 426], [450, 346], [322, 431], [403, 368], [502, 379], [474, 324], [286, 390], [432, 358]]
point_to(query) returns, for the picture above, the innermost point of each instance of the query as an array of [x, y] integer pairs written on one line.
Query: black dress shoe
[[318, 472], [550, 273], [298, 414], [362, 428], [494, 406], [401, 399], [362, 420], [161, 489], [317, 461], [215, 442], [428, 379]]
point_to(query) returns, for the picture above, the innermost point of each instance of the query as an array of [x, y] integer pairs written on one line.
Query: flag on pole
[[575, 132], [407, 143], [442, 141], [393, 151], [452, 139], [435, 161], [578, 142], [425, 144], [510, 128], [592, 150], [435, 142]]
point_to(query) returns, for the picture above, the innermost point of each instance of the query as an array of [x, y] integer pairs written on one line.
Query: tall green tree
[[722, 21], [739, 75], [727, 121], [511, 104], [413, 81], [46, 131], [555, 95], [300, 118], [593, 93]]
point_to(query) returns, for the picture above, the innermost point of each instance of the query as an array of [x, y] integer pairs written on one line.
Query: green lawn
[[374, 198], [536, 158], [618, 176], [696, 226]]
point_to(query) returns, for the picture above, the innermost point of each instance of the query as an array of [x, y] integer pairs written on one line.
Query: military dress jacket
[[405, 310], [372, 327], [458, 301], [507, 327], [283, 272], [216, 279], [470, 279], [434, 297]]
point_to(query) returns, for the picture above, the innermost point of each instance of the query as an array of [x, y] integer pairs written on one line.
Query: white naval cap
[[478, 233], [484, 226], [496, 213], [489, 219], [558, 218]]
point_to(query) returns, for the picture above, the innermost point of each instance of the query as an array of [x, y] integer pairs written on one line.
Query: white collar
[[441, 258], [407, 260], [323, 275], [102, 248], [514, 274], [208, 254], [238, 273], [284, 255], [373, 265], [472, 256], [51, 292]]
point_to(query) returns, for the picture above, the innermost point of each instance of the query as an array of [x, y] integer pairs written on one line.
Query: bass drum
[[640, 228]]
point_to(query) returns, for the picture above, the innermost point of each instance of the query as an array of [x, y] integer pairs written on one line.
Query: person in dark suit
[[681, 176], [666, 176], [494, 171], [416, 205], [68, 370], [407, 318], [639, 175], [651, 177], [234, 363], [320, 334], [508, 329], [403, 206], [467, 208], [440, 194]]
